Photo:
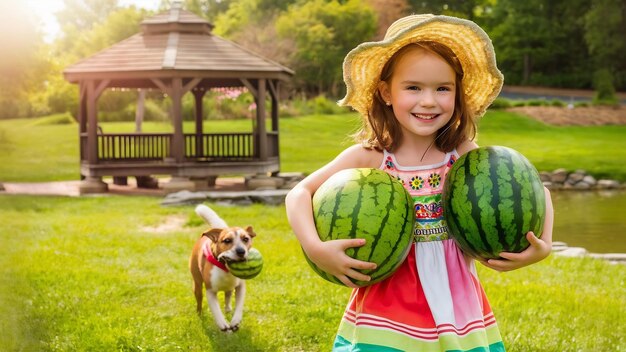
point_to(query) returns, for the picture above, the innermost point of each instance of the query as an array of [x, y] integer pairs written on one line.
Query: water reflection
[[595, 220]]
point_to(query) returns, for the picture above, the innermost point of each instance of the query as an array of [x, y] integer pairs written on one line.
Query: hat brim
[[482, 81]]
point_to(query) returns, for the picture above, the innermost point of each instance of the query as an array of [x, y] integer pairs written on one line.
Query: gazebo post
[[273, 86], [177, 182], [82, 121], [274, 96], [201, 183], [260, 116], [198, 93], [92, 184], [178, 141]]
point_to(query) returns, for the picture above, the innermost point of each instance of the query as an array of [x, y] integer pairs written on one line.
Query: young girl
[[419, 91]]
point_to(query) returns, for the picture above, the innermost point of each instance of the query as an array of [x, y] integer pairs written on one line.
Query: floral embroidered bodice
[[425, 184]]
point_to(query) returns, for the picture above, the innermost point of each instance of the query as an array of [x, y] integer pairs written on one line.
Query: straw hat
[[482, 80]]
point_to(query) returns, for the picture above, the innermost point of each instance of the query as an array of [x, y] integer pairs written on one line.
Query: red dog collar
[[211, 258]]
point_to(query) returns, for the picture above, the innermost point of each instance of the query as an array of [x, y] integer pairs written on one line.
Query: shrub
[[557, 102], [297, 106], [605, 91], [152, 111], [536, 102], [324, 106], [56, 119], [501, 103]]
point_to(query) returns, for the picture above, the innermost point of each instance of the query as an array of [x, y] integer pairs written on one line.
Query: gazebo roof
[[175, 43]]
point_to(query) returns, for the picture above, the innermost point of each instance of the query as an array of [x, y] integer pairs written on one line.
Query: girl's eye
[[443, 89], [412, 88]]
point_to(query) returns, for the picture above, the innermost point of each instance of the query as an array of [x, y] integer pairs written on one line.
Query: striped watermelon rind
[[249, 268], [492, 197], [371, 204]]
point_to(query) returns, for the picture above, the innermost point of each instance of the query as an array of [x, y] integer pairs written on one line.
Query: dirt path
[[580, 116]]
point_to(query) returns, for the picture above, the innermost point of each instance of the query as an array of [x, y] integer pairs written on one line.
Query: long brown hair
[[380, 128]]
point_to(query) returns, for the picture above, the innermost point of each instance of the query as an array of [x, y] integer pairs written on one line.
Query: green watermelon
[[370, 204], [492, 197], [249, 268]]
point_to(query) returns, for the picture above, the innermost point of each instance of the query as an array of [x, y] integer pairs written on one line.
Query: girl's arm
[[330, 255], [539, 248]]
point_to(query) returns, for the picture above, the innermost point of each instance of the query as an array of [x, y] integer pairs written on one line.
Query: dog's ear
[[213, 234], [250, 231]]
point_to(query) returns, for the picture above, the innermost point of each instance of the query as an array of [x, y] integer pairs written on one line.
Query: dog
[[217, 246]]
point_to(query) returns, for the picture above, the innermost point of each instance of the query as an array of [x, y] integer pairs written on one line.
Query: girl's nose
[[427, 98]]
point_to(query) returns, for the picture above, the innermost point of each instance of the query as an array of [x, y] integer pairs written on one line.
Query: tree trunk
[[527, 69], [139, 112]]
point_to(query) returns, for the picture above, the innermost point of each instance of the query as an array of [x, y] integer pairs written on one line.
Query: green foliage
[[239, 15], [459, 8], [323, 106], [324, 32], [557, 103], [605, 91], [501, 103], [504, 103], [83, 14], [57, 119], [152, 111], [535, 46], [22, 62], [604, 24]]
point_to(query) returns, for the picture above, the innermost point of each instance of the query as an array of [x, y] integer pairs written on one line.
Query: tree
[[605, 29], [84, 14], [79, 16], [118, 25], [324, 32], [388, 11], [469, 9], [535, 46], [21, 62]]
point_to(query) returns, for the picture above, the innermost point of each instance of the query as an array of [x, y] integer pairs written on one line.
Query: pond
[[595, 221]]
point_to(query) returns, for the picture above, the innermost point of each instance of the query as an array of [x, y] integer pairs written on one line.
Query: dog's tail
[[211, 217]]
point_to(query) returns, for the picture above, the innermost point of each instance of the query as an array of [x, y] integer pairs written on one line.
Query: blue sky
[[45, 10]]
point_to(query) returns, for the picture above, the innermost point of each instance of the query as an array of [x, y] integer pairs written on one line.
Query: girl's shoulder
[[466, 146], [359, 156]]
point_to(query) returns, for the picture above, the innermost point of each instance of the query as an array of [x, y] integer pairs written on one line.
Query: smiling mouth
[[425, 116]]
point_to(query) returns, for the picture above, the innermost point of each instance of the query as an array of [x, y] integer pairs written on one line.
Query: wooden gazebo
[[176, 53]]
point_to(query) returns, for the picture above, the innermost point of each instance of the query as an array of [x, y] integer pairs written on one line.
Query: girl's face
[[421, 92]]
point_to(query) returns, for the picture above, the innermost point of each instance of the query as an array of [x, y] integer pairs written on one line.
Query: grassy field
[[43, 150], [98, 274]]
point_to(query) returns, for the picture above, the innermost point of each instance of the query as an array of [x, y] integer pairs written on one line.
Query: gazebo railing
[[134, 146], [157, 146], [220, 146]]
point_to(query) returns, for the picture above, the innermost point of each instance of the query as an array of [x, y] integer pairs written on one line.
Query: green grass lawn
[[42, 150], [92, 274]]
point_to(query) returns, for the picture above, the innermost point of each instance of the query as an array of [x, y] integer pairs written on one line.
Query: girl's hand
[[538, 250], [331, 257]]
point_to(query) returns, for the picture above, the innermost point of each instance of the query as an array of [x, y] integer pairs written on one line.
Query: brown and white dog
[[213, 249]]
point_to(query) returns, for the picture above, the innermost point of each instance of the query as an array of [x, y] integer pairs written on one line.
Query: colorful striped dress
[[434, 301]]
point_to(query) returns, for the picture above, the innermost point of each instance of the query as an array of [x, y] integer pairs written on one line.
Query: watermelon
[[248, 268], [492, 197], [371, 204]]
